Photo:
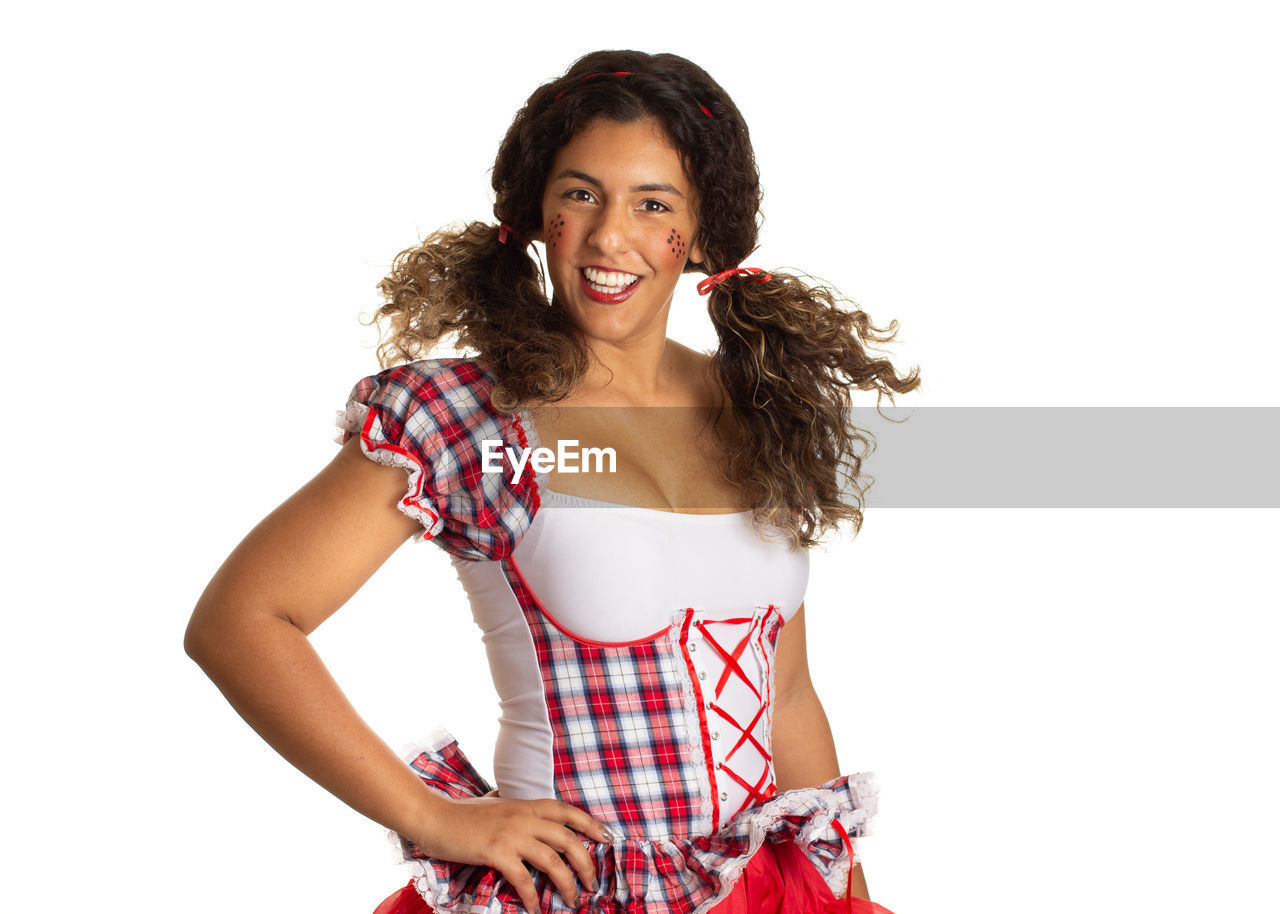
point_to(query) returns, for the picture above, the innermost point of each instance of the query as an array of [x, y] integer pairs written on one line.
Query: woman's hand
[[507, 834]]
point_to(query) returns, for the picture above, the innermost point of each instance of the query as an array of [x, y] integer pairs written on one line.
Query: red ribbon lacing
[[848, 846], [712, 281], [762, 789]]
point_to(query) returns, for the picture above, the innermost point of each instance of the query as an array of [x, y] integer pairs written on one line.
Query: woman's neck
[[650, 372]]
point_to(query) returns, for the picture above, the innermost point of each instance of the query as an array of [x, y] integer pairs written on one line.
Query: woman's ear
[[695, 251]]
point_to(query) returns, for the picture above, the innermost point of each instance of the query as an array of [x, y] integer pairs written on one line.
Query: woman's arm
[[250, 626], [804, 752], [249, 634]]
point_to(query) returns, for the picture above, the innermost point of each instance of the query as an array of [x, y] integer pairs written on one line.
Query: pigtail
[[789, 354], [487, 294], [788, 357]]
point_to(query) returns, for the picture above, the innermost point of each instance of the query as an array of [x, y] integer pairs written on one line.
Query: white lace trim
[[771, 694], [435, 892], [434, 741], [865, 792], [351, 421], [788, 803], [532, 440], [696, 754]]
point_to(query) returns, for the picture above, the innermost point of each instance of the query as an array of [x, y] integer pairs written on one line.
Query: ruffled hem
[[667, 875], [429, 418], [354, 420]]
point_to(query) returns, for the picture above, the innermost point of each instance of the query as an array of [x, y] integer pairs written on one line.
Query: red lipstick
[[606, 298]]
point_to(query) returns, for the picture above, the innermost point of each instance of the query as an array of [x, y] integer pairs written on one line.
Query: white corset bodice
[[609, 573]]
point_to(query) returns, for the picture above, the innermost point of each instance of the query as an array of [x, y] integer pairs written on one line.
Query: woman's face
[[618, 219]]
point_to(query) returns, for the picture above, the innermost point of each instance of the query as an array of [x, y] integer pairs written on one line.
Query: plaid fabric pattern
[[431, 417], [651, 876], [626, 748], [629, 736]]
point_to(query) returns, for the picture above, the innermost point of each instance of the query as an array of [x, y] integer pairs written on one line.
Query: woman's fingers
[[508, 834], [566, 841], [568, 845], [546, 859], [571, 816], [519, 879], [557, 849]]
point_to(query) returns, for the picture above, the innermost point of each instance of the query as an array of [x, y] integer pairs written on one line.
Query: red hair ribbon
[[504, 230], [712, 281], [560, 94]]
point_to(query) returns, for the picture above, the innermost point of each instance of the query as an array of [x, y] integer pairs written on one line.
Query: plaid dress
[[648, 736]]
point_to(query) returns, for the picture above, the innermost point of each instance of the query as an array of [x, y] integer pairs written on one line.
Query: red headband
[[561, 93], [712, 281]]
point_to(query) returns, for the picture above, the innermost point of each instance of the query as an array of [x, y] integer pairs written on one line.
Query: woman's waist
[[657, 783]]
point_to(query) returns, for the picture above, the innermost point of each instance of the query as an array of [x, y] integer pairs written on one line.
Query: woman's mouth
[[607, 286]]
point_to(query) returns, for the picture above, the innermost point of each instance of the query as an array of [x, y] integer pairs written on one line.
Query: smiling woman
[[616, 211], [661, 745]]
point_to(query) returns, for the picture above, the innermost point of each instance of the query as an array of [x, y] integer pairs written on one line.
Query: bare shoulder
[[689, 359], [697, 376], [704, 390]]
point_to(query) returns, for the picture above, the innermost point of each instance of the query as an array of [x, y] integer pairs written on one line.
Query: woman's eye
[[579, 195], [655, 206]]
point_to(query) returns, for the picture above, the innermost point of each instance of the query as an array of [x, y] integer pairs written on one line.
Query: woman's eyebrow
[[656, 188], [635, 188]]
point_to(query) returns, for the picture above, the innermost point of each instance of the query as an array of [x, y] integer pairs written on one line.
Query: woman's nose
[[611, 232]]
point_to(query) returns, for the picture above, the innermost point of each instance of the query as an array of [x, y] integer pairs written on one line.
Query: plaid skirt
[[769, 859]]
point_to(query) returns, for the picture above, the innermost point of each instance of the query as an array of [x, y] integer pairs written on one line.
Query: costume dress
[[632, 651]]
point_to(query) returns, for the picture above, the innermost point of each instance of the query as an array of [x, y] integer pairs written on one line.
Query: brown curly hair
[[788, 351]]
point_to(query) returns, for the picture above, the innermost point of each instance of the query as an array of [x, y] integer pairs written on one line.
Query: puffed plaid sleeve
[[434, 419]]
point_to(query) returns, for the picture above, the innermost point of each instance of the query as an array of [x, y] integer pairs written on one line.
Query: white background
[[1070, 204]]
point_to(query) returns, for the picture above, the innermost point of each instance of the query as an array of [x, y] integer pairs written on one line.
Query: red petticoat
[[779, 879]]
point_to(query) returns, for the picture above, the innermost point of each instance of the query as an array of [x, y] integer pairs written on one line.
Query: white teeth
[[606, 281]]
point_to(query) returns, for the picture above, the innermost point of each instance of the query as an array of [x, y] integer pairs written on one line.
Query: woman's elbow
[[215, 628], [201, 639]]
